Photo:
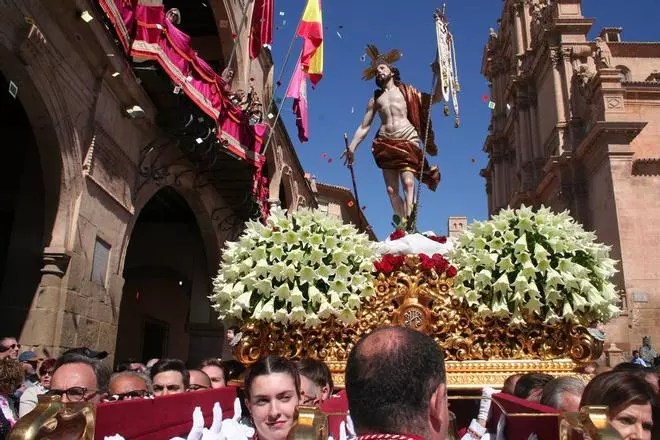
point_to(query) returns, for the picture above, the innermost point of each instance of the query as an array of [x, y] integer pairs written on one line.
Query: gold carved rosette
[[479, 351]]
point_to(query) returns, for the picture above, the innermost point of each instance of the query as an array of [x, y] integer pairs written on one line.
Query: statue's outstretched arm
[[361, 131]]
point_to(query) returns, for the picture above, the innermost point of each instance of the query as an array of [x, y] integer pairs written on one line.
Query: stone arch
[[199, 206], [166, 282], [27, 63], [57, 139]]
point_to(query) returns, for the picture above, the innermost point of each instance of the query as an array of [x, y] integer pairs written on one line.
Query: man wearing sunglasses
[[78, 378], [9, 348], [127, 385], [199, 381]]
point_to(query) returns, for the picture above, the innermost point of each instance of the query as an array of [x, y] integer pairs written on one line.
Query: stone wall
[[596, 117]]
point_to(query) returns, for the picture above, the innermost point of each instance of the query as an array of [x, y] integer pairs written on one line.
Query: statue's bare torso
[[392, 110]]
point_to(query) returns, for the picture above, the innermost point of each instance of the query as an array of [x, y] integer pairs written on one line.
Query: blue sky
[[338, 103]]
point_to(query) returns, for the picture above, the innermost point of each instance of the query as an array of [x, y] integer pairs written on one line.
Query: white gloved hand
[[233, 429], [342, 431], [238, 411], [216, 426], [350, 428], [484, 405], [198, 425], [209, 435], [114, 437]]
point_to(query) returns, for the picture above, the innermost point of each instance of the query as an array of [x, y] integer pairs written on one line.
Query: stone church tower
[[576, 126]]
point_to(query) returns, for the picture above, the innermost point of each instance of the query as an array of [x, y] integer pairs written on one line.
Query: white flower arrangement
[[540, 262], [302, 267]]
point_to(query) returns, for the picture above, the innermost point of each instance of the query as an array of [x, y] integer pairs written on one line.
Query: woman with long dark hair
[[272, 388], [629, 399]]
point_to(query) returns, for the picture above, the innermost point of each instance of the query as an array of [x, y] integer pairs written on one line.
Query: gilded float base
[[478, 374], [478, 350]]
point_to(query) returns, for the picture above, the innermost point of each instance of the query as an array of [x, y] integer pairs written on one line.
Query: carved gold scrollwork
[[53, 419], [423, 300]]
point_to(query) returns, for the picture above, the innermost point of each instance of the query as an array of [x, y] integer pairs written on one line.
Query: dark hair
[[232, 369], [269, 365], [617, 390], [11, 376], [396, 75], [212, 362], [316, 371], [47, 365], [391, 376], [164, 365], [629, 366], [125, 365], [530, 382], [100, 371]]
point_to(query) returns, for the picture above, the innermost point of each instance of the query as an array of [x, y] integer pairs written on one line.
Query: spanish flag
[[311, 30]]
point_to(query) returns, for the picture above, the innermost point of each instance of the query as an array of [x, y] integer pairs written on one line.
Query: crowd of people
[[395, 385]]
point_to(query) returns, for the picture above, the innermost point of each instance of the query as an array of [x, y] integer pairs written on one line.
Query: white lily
[[307, 275]]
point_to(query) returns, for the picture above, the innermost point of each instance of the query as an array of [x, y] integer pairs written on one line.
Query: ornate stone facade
[[104, 215], [575, 127]]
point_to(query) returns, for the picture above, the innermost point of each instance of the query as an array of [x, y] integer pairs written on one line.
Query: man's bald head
[[392, 380]]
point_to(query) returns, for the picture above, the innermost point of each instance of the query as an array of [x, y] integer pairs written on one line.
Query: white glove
[[198, 425], [216, 426], [350, 428], [233, 429], [484, 406], [238, 411], [342, 431], [208, 435], [114, 437]]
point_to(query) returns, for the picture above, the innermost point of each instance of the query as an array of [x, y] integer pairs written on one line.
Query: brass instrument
[[54, 420]]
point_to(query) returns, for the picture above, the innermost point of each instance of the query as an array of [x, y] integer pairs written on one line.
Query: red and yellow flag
[[311, 29]]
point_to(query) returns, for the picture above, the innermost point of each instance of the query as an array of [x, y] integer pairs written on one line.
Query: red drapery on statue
[[146, 34]]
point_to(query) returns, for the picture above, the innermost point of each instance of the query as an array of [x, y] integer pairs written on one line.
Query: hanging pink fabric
[[298, 91], [146, 34]]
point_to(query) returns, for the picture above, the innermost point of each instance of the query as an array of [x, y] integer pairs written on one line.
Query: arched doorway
[[25, 222], [166, 284]]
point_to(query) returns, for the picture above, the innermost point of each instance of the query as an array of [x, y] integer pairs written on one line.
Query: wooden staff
[[355, 193]]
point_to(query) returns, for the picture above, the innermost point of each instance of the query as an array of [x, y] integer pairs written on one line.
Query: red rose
[[438, 238], [426, 262], [384, 267], [399, 233], [395, 261], [441, 264], [451, 272]]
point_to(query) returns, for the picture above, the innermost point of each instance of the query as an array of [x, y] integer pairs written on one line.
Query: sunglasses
[[135, 394], [11, 347], [74, 394]]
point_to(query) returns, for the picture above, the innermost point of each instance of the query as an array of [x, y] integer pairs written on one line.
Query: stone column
[[43, 326]]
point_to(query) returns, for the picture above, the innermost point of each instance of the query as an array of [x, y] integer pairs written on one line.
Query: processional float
[[522, 292]]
